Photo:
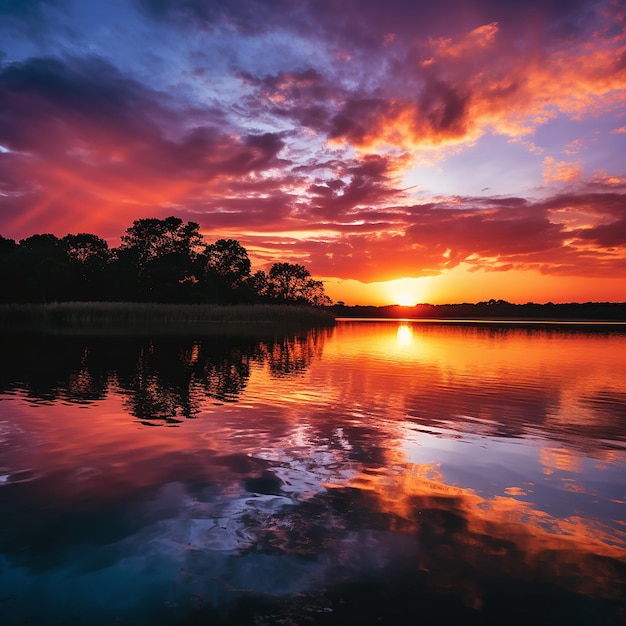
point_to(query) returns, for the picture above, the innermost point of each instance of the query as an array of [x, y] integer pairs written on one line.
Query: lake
[[377, 472]]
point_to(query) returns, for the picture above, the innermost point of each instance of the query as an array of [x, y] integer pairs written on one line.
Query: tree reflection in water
[[164, 379]]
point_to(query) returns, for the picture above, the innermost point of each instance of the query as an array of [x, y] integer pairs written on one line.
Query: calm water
[[374, 473]]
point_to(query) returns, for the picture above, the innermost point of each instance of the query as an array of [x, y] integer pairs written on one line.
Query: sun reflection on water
[[405, 336]]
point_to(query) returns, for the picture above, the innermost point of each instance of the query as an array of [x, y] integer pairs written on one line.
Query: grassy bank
[[172, 317]]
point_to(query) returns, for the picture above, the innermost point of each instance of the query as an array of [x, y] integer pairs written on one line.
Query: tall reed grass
[[136, 315]]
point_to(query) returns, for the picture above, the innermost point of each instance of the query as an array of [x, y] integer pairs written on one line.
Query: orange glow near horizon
[[461, 285]]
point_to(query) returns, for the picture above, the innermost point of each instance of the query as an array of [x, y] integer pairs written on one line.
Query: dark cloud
[[356, 118], [426, 90], [606, 235], [305, 97], [369, 182], [436, 111], [369, 24], [435, 108], [27, 10], [445, 108], [86, 106], [44, 98], [599, 202], [246, 16], [33, 19], [485, 233]]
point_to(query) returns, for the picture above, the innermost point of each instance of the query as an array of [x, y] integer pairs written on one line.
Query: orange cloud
[[481, 37], [454, 91], [561, 171]]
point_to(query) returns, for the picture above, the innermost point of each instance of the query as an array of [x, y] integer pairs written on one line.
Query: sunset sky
[[403, 151]]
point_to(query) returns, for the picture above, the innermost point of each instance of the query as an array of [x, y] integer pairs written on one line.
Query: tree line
[[158, 260], [492, 310]]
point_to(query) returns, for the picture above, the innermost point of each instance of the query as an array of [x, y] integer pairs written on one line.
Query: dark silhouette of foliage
[[158, 260], [493, 310], [8, 252], [40, 269], [88, 257], [226, 270], [7, 246], [152, 238], [291, 282], [163, 254], [259, 285]]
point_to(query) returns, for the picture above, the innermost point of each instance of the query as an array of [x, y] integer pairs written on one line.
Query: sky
[[403, 151]]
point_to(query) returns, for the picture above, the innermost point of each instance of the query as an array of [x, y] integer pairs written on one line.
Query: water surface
[[378, 472]]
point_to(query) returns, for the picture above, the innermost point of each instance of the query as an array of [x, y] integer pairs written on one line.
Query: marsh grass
[[136, 317]]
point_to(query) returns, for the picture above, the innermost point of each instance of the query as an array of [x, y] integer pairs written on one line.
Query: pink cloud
[[561, 171], [494, 234]]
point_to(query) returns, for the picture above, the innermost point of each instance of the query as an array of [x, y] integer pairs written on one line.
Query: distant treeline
[[157, 261], [492, 309]]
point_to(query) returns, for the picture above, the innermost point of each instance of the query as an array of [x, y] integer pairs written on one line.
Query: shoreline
[[491, 311], [134, 317]]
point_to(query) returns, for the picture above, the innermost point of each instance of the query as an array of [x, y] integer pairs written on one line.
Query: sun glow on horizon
[[461, 284], [406, 299], [404, 291]]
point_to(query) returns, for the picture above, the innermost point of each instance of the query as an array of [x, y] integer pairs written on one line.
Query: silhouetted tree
[[41, 269], [163, 253], [88, 257], [7, 246], [8, 254], [152, 238], [121, 279], [313, 293], [291, 282], [226, 268], [157, 260], [260, 285]]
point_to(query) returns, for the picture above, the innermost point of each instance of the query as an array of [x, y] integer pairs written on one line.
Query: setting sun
[[405, 291], [406, 299]]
